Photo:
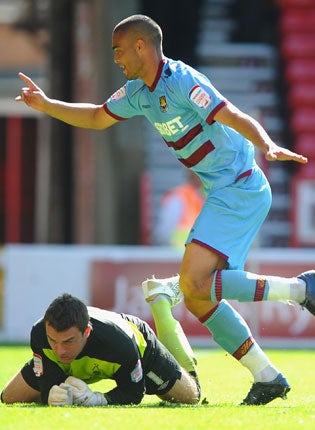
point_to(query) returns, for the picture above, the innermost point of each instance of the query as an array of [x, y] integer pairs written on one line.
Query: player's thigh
[[17, 390], [185, 390]]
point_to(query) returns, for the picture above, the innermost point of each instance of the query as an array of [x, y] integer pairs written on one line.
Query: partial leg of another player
[[229, 330], [162, 295]]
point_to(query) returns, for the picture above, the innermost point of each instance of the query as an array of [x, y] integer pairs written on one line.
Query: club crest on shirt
[[200, 97], [38, 365], [163, 104], [119, 94]]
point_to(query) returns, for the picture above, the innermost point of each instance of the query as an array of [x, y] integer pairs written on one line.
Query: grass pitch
[[224, 384]]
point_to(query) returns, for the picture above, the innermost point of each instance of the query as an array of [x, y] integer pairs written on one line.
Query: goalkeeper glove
[[60, 395], [83, 395]]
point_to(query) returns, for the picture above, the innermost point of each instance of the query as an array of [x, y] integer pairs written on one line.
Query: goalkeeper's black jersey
[[120, 347]]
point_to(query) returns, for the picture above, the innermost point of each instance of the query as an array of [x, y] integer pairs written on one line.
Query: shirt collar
[[158, 75]]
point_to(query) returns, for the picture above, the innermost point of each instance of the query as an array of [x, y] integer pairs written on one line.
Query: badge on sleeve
[[200, 97], [38, 365], [137, 373], [119, 94]]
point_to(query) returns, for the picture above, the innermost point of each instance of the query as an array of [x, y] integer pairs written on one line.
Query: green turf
[[224, 384]]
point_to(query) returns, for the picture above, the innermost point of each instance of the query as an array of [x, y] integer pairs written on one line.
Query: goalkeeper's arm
[[123, 396], [130, 382]]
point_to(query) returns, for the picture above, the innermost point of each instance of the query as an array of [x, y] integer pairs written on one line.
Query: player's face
[[126, 55], [66, 344]]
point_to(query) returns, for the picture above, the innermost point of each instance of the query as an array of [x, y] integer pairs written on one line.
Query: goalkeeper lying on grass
[[75, 345]]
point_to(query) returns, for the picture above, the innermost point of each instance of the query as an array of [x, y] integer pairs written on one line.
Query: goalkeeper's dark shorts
[[163, 372], [160, 367]]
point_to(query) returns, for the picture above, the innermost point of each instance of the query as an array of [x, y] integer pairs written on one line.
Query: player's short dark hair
[[65, 312], [143, 26]]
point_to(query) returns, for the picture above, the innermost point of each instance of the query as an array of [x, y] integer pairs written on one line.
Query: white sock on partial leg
[[286, 289], [259, 365]]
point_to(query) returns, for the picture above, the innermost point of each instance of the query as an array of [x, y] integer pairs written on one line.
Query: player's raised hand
[[32, 95], [276, 152]]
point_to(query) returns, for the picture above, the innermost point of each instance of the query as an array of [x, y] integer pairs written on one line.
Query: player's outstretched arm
[[85, 115], [253, 131]]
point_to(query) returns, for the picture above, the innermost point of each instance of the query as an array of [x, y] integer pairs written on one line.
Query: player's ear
[[140, 45], [88, 330]]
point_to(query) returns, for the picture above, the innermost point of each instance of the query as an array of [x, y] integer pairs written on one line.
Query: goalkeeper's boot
[[262, 393], [167, 286], [309, 302]]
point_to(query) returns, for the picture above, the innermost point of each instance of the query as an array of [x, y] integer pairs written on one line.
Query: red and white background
[[110, 277]]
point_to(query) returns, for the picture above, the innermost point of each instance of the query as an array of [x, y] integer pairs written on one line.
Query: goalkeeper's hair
[[65, 312]]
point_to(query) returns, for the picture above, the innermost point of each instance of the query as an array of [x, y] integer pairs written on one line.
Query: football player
[[75, 345]]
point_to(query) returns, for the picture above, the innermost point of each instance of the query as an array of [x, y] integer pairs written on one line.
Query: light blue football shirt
[[181, 105]]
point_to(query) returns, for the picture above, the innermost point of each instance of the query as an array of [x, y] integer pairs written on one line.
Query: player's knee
[[193, 399], [185, 391], [194, 394], [195, 289], [195, 390], [188, 286]]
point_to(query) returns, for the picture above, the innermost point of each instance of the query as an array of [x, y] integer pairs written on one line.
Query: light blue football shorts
[[231, 218]]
